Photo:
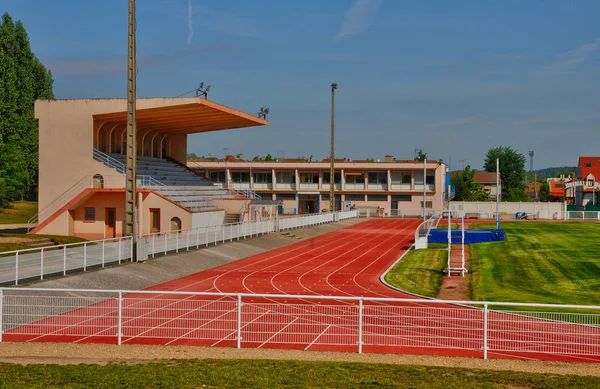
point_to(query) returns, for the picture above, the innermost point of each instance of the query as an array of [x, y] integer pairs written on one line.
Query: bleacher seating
[[168, 173], [177, 183]]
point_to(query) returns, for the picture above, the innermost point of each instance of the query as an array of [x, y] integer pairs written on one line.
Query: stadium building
[[388, 188]]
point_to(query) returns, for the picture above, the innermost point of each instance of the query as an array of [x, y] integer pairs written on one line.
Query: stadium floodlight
[[201, 91], [264, 111]]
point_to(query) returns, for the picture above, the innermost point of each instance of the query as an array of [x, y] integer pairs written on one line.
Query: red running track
[[347, 262]]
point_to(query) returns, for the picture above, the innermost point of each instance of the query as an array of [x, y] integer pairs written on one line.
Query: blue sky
[[454, 78]]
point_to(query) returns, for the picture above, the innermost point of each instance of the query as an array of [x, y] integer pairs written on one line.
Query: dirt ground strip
[[65, 354]]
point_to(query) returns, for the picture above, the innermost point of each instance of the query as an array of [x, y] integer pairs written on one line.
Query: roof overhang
[[200, 116]]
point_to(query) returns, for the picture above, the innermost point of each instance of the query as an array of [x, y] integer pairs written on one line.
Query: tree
[[512, 171], [268, 158], [463, 184], [23, 80], [420, 156], [544, 192]]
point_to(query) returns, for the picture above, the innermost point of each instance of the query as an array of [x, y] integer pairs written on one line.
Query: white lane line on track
[[278, 332], [317, 338]]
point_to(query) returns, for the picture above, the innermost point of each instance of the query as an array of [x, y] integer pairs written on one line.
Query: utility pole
[[130, 166], [424, 187], [498, 191], [332, 152]]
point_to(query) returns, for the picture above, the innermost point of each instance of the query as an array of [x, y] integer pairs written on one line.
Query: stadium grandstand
[[82, 166]]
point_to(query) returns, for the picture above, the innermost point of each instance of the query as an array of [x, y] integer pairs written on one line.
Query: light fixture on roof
[[202, 91], [264, 111]]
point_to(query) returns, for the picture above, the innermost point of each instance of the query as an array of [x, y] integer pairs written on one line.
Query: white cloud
[[566, 62], [359, 17], [190, 23]]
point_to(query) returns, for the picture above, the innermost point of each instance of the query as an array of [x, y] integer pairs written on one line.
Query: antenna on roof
[[202, 91], [264, 111]]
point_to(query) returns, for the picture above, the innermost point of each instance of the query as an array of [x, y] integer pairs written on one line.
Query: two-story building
[[390, 187]]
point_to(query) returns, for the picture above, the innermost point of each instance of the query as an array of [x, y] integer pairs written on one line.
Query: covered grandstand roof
[[200, 116]]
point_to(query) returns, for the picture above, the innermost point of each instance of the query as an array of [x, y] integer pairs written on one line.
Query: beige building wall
[[66, 130]]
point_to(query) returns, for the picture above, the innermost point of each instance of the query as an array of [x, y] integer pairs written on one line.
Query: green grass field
[[20, 212], [59, 239], [420, 271], [274, 374], [538, 263]]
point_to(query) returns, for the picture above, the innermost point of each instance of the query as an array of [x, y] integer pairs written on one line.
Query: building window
[[175, 224], [337, 177], [240, 177], [263, 178], [355, 197], [286, 178], [286, 196], [377, 177], [355, 178], [309, 178], [400, 178], [402, 198], [428, 205], [266, 196], [217, 176], [377, 197], [89, 215], [430, 180], [587, 164]]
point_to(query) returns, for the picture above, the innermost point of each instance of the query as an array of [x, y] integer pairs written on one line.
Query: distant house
[[488, 181], [588, 174]]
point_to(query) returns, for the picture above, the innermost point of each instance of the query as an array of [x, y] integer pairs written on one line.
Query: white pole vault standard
[[449, 240], [463, 246], [424, 187], [498, 193]]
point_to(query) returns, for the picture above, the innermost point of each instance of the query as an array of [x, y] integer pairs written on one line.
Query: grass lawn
[[20, 212], [9, 244], [538, 263], [420, 271], [274, 374]]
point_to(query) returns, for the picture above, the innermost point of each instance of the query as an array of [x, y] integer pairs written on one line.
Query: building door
[[109, 223], [154, 220]]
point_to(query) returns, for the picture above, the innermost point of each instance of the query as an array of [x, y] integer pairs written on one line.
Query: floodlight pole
[[498, 193], [332, 152], [130, 165]]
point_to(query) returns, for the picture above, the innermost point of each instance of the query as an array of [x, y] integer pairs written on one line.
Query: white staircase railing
[[144, 180], [62, 200], [108, 160]]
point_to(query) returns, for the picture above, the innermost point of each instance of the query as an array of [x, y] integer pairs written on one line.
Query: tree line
[[23, 80]]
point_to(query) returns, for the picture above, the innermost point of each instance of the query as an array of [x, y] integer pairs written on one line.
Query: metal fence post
[[206, 236], [131, 249], [223, 233], [176, 241], [239, 321], [188, 240], [85, 257], [1, 313], [360, 325], [119, 318], [65, 261], [197, 238], [153, 245], [238, 231], [120, 240], [231, 233], [103, 244], [215, 237], [42, 264], [166, 243], [17, 268], [485, 330]]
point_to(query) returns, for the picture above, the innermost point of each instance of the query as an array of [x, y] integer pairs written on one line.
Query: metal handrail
[[108, 160]]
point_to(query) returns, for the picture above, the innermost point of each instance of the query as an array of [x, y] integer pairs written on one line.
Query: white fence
[[39, 262], [174, 241], [508, 210], [287, 223], [293, 321], [583, 215]]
